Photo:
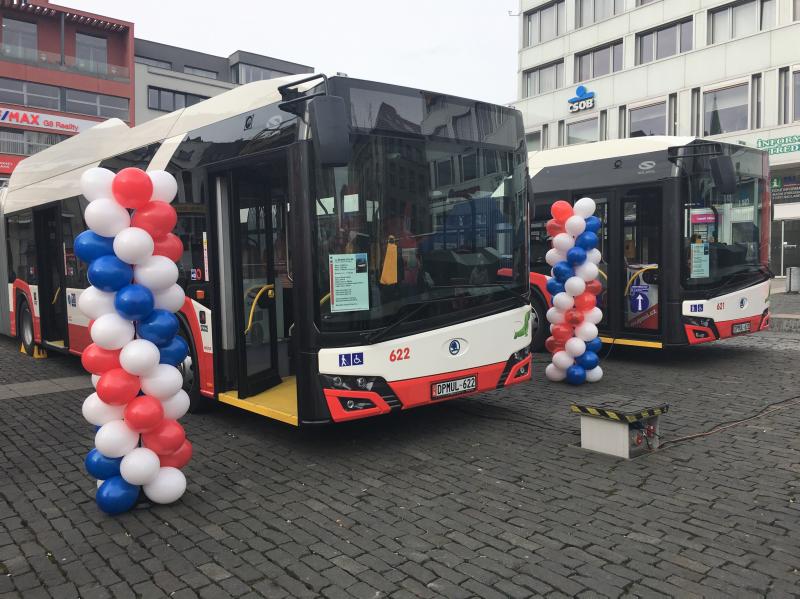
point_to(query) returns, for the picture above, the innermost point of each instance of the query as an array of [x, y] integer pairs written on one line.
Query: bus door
[[52, 286], [604, 200]]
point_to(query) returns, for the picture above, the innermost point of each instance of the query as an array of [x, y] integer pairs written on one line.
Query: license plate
[[741, 327], [467, 384]]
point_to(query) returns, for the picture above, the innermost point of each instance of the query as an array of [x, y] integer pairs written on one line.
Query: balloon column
[[139, 445], [574, 286]]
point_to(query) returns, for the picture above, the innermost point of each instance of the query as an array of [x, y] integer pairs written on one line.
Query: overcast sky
[[462, 47]]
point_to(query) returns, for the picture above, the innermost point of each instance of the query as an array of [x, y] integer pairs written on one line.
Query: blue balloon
[[563, 271], [576, 375], [100, 466], [587, 240], [554, 286], [116, 496], [89, 246], [576, 256], [174, 352], [134, 302], [588, 360], [595, 345], [109, 273], [159, 327], [593, 224]]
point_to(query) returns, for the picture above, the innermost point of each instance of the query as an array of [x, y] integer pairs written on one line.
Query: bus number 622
[[403, 353]]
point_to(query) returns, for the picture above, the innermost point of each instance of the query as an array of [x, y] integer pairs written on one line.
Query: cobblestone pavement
[[483, 497]]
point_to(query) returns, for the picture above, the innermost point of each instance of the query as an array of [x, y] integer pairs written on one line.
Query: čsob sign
[[583, 100]]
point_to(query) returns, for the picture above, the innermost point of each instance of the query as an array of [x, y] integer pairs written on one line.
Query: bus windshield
[[725, 234], [415, 222]]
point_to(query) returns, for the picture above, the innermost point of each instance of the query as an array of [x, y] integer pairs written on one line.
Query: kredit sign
[[63, 124]]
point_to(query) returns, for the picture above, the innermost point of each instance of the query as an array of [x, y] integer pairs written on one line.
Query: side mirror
[[723, 173], [330, 130]]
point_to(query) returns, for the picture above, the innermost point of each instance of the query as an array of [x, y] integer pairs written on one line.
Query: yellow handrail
[[325, 298], [253, 306], [636, 274], [55, 297]]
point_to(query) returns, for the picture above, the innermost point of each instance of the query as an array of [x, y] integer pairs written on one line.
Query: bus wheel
[[25, 328], [538, 324], [191, 379]]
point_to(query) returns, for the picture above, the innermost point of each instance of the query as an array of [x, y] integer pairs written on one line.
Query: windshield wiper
[[418, 306]]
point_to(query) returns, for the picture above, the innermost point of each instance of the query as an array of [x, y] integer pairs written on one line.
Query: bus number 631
[[403, 353]]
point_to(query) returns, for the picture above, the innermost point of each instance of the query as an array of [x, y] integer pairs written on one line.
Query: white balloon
[[139, 356], [594, 256], [586, 331], [98, 412], [595, 315], [563, 301], [96, 183], [111, 331], [115, 439], [594, 375], [584, 207], [164, 186], [168, 486], [162, 382], [105, 217], [554, 373], [176, 406], [562, 360], [575, 225], [555, 316], [575, 286], [140, 466], [563, 242], [133, 245], [156, 272], [587, 271], [575, 347], [94, 303], [553, 256], [171, 298], [95, 380]]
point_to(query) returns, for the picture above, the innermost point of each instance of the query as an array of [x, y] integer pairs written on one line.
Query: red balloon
[[561, 332], [143, 413], [166, 438], [132, 188], [561, 211], [573, 317], [177, 459], [97, 360], [553, 345], [554, 228], [117, 387], [594, 287], [157, 218], [585, 301], [170, 246]]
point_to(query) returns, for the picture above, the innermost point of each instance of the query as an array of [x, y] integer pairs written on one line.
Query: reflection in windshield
[[412, 220]]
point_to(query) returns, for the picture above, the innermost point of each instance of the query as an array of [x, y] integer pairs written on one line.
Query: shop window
[[648, 120], [582, 132], [726, 110], [545, 23], [598, 62], [664, 41], [544, 79]]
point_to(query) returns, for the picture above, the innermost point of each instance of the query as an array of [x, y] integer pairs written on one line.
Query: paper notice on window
[[699, 261], [325, 206], [349, 282], [350, 203]]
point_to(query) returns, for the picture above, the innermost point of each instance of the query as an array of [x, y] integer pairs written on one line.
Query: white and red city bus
[[685, 237], [350, 248]]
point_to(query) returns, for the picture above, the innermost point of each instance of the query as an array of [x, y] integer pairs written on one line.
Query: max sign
[[44, 121], [583, 100]]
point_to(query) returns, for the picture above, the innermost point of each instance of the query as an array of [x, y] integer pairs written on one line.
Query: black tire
[[198, 402], [538, 324], [25, 328]]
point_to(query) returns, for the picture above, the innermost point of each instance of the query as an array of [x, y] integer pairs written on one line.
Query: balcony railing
[[72, 64]]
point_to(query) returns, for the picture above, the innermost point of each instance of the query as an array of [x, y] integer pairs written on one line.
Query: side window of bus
[[72, 224], [540, 242], [22, 248], [192, 230]]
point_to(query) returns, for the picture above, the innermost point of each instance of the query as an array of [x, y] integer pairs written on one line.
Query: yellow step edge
[[278, 403], [633, 342]]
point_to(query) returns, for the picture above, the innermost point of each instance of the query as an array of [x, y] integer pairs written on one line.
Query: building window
[[742, 18], [534, 141], [27, 93], [161, 64], [672, 114], [796, 10], [664, 41], [582, 132], [544, 79], [603, 125], [25, 143], [168, 100], [756, 93], [245, 73], [200, 72], [561, 133], [82, 102], [598, 62], [591, 11], [726, 110], [19, 39], [545, 23], [796, 79], [643, 2], [545, 137], [622, 122], [648, 120], [91, 53], [783, 95]]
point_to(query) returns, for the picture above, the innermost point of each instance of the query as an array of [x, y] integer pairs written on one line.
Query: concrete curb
[[785, 323]]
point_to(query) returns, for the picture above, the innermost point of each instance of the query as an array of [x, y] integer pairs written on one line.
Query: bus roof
[[603, 149]]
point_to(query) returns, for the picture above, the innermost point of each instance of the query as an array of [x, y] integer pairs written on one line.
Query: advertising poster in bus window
[[349, 282], [699, 261]]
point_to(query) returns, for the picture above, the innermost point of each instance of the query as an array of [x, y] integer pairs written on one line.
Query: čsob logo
[[583, 99], [454, 347]]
